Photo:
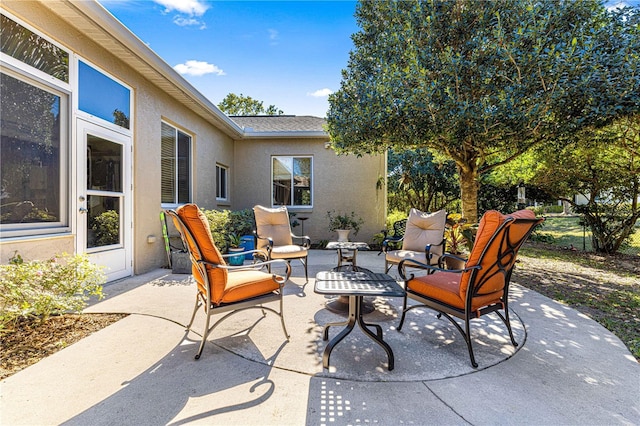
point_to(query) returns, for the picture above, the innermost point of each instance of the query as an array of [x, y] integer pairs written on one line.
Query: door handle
[[82, 210]]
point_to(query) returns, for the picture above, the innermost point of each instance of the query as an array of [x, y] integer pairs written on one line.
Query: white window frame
[[40, 79], [219, 171], [177, 129], [293, 206]]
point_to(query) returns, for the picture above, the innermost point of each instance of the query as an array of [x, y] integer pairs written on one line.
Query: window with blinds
[[176, 165]]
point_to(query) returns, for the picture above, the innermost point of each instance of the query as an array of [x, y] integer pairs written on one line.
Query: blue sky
[[289, 54], [285, 53]]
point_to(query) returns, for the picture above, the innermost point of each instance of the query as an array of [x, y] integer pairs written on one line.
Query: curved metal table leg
[[355, 316]]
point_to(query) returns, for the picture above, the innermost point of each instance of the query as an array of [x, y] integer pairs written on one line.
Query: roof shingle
[[280, 123]]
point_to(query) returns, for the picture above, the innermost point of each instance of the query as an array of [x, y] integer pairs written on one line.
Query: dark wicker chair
[[482, 287], [394, 240]]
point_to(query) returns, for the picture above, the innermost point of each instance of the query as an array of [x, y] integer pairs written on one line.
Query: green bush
[[394, 216], [107, 228], [224, 223], [43, 288]]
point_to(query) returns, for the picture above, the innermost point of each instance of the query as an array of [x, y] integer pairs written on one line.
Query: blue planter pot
[[238, 259], [248, 243]]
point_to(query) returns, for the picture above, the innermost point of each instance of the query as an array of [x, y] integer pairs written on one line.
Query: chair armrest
[[306, 240], [242, 252], [428, 247], [253, 266], [409, 262], [453, 256], [269, 241], [387, 240]]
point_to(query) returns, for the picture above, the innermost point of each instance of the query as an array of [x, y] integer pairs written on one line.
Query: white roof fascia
[[105, 20], [286, 134]]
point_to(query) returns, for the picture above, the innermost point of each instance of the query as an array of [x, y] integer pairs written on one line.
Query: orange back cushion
[[198, 225], [490, 276]]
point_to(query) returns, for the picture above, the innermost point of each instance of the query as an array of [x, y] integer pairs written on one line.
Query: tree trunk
[[469, 192]]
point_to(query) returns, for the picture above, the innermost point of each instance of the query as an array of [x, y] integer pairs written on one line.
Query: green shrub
[[107, 228], [43, 288], [224, 223], [394, 216]]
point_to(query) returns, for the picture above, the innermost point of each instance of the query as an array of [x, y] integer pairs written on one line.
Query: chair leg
[[387, 266], [507, 323], [404, 312], [195, 309], [284, 327], [467, 338], [205, 333], [304, 262]]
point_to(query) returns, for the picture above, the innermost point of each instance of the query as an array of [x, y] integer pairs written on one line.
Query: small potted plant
[[344, 223], [234, 247], [459, 237]]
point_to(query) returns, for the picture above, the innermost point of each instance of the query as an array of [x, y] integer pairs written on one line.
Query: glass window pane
[[168, 164], [282, 174], [302, 181], [103, 97], [221, 183], [104, 164], [30, 164], [103, 221], [23, 45]]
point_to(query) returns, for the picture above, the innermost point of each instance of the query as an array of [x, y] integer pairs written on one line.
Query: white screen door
[[104, 204]]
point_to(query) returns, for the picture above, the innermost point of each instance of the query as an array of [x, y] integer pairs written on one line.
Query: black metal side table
[[355, 285], [347, 250]]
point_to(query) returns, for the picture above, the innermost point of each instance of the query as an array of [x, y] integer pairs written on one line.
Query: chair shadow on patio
[[177, 383]]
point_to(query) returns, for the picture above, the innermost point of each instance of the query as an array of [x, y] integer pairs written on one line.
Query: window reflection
[[25, 46], [103, 221], [291, 181], [30, 164], [103, 97], [104, 164]]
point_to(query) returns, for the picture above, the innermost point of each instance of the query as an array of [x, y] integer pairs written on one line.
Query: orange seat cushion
[[243, 285], [445, 287]]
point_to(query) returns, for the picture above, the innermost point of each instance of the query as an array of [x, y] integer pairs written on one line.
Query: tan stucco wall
[[38, 248], [151, 106], [340, 182]]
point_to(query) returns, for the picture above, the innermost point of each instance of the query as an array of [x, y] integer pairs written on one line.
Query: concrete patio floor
[[567, 368]]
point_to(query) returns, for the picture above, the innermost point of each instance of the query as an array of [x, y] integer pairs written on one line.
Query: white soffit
[[93, 20]]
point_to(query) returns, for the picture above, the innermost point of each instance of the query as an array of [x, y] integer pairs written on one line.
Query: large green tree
[[603, 167], [480, 81], [233, 104], [417, 180]]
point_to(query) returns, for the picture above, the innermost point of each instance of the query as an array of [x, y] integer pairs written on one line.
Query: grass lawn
[[567, 231]]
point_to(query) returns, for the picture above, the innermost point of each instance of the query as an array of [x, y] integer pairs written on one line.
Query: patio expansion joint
[[453, 410]]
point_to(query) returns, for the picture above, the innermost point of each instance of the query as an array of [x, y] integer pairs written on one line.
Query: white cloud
[[186, 22], [273, 37], [321, 93], [198, 68], [188, 7]]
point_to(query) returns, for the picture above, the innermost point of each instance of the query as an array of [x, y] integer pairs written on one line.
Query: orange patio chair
[[275, 239], [482, 286], [223, 288]]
